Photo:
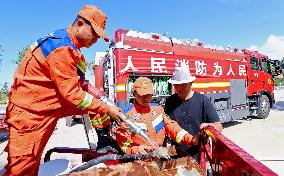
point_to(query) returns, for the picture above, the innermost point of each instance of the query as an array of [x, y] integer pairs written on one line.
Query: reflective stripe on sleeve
[[180, 135], [125, 145], [100, 121], [158, 123], [85, 103], [82, 66]]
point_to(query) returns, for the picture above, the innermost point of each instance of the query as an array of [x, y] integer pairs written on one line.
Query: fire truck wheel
[[264, 107]]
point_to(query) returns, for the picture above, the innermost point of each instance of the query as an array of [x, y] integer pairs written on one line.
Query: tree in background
[[90, 65], [1, 51], [279, 80], [21, 55], [4, 90], [282, 63], [4, 93]]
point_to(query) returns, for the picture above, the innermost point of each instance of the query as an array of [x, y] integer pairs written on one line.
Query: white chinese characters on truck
[[239, 83]]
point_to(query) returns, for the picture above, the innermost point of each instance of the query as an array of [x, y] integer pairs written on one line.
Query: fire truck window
[[265, 66], [274, 68], [254, 63]]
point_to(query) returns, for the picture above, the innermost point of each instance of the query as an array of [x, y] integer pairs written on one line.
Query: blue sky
[[255, 24]]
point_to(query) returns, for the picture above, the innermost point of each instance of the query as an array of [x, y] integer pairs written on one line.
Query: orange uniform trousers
[[29, 134]]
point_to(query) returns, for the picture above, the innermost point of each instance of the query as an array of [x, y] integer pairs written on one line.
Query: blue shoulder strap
[[55, 40], [127, 108], [154, 104]]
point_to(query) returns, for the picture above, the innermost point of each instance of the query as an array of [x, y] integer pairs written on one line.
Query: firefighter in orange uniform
[[49, 84], [151, 118]]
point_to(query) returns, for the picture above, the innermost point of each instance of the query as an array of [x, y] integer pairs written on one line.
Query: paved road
[[262, 138]]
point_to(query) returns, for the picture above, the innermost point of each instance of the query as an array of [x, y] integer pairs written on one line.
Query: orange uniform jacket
[[157, 125], [48, 85], [51, 76]]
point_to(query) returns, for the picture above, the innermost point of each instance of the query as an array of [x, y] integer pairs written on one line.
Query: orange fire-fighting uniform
[[156, 124], [47, 85]]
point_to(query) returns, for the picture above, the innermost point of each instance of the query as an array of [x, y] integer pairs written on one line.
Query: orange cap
[[143, 86], [97, 19]]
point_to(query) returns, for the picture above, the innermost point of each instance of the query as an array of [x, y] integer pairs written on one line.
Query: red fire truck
[[239, 83]]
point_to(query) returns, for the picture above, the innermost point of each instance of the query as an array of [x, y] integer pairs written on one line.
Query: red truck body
[[239, 83]]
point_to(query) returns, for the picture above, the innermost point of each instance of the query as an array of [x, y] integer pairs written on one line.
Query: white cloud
[[273, 47], [253, 48]]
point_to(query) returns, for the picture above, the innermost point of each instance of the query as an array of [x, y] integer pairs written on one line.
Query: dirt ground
[[262, 138]]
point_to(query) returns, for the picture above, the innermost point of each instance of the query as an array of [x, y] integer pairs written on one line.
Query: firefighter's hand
[[142, 149], [216, 125], [203, 125], [190, 139], [124, 126], [195, 139], [114, 113]]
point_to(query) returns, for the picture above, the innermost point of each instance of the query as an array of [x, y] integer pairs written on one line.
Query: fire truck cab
[[238, 83]]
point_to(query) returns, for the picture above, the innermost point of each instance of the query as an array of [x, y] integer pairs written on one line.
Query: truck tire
[[264, 108]]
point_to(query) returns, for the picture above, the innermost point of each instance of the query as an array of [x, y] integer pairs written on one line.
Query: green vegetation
[[4, 91], [21, 55], [279, 80], [90, 66]]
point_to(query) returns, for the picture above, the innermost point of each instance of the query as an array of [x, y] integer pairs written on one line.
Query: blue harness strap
[[127, 108], [58, 39], [55, 40]]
